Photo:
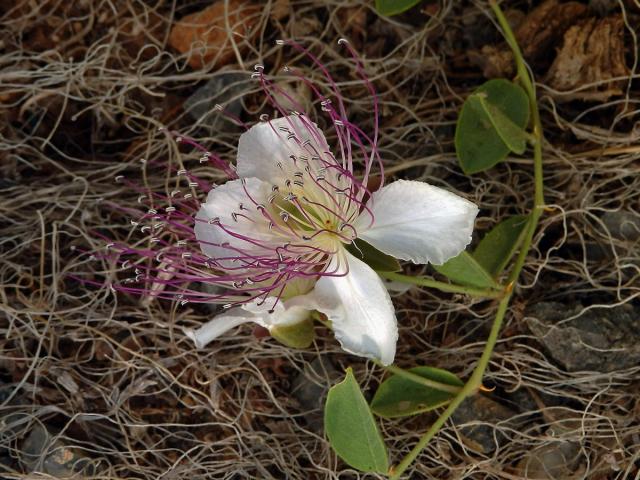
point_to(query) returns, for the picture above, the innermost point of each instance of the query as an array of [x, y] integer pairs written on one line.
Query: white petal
[[222, 203], [219, 325], [283, 313], [265, 145], [418, 222], [359, 307]]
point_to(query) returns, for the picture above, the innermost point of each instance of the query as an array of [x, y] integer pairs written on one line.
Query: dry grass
[[116, 379]]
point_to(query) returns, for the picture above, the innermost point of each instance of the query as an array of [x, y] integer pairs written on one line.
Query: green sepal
[[297, 335], [377, 260]]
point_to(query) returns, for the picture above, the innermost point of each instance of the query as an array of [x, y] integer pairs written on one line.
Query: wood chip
[[591, 56], [204, 36]]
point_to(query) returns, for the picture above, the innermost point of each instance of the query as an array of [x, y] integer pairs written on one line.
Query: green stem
[[442, 286], [421, 380], [475, 381]]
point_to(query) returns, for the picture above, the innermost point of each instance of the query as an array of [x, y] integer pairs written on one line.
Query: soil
[[107, 384]]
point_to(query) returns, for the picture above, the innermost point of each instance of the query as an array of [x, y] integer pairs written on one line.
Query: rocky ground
[[107, 386]]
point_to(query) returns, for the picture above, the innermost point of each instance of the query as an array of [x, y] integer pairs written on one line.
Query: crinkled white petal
[[418, 222], [257, 312], [264, 151], [219, 325], [222, 203], [359, 307], [282, 313]]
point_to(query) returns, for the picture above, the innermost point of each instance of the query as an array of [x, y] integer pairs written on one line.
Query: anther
[[174, 193], [170, 209], [182, 171], [188, 195], [119, 178], [141, 197], [152, 211], [343, 41], [264, 117], [234, 216], [193, 184], [279, 42], [218, 107], [214, 221]]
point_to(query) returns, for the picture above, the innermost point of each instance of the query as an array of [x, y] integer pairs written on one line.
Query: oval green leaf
[[479, 145], [380, 262], [351, 428], [394, 7], [465, 270], [399, 397], [511, 134], [498, 246]]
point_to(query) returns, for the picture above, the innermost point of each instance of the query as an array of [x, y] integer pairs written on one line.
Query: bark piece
[[204, 35], [544, 27], [591, 56], [540, 31]]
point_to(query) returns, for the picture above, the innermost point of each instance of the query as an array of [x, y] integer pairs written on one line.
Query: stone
[[225, 89], [483, 413], [550, 462], [204, 36], [310, 388], [555, 459], [598, 339], [41, 453], [622, 225]]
